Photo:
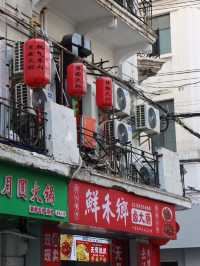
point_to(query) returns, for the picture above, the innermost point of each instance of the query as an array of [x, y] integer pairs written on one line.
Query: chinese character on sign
[[55, 255], [47, 240], [141, 217], [107, 209], [122, 210], [92, 203], [55, 239], [47, 254], [22, 188], [49, 195], [7, 190], [35, 193], [135, 217]]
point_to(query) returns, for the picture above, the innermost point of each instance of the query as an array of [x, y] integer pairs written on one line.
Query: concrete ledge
[[31, 159], [140, 190], [34, 160]]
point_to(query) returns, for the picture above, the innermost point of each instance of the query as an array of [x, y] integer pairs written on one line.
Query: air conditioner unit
[[61, 133], [121, 100], [18, 58], [117, 132], [23, 97], [169, 172], [147, 119]]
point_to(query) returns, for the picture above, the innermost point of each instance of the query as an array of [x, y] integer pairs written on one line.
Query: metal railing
[[21, 127], [123, 161], [142, 9]]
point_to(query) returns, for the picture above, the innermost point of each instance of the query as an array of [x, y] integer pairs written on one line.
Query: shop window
[[161, 25], [167, 138]]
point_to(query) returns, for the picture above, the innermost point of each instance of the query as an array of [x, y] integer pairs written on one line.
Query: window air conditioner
[[147, 119], [117, 132], [121, 101]]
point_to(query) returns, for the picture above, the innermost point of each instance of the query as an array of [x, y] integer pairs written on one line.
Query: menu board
[[85, 249]]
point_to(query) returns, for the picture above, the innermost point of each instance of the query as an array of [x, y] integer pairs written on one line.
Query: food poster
[[84, 249], [67, 247]]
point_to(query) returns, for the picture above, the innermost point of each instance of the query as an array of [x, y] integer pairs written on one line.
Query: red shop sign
[[51, 246], [100, 207]]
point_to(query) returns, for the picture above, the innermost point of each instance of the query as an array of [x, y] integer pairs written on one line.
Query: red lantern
[[104, 88], [76, 80], [37, 63]]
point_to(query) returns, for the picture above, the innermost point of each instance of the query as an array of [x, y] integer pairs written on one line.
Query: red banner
[[51, 246], [148, 255], [100, 207], [120, 250]]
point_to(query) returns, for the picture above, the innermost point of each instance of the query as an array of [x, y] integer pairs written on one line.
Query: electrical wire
[[169, 81], [173, 87], [186, 71], [140, 93], [168, 7]]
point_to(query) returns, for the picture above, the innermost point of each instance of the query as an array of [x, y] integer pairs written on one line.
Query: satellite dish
[[152, 118], [121, 99], [122, 134]]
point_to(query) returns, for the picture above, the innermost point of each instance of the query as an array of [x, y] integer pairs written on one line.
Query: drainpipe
[[43, 20]]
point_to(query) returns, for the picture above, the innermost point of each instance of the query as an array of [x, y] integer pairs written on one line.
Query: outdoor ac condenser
[[61, 133], [169, 172]]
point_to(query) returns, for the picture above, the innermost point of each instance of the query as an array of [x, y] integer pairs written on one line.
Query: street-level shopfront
[[29, 200], [117, 217]]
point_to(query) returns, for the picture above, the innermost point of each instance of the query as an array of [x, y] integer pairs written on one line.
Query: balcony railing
[[21, 127], [142, 9], [123, 161]]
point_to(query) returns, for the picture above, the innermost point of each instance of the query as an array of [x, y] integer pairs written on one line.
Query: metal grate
[[21, 128], [22, 96], [142, 9], [140, 116], [122, 161], [18, 58]]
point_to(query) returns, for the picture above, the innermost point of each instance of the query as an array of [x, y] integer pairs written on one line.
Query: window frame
[[156, 49]]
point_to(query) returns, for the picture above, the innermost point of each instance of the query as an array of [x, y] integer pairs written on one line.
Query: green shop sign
[[29, 193]]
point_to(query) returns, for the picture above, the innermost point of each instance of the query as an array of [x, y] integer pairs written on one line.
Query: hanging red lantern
[[104, 92], [37, 63], [76, 80]]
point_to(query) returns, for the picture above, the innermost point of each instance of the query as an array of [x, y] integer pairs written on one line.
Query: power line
[[187, 71], [168, 81], [177, 2], [172, 87], [175, 6]]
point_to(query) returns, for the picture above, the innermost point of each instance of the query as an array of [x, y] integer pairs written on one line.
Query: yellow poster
[[66, 242]]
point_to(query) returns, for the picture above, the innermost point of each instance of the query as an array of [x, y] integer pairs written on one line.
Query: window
[[161, 25], [167, 138]]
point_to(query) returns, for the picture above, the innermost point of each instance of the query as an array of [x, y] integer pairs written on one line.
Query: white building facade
[[177, 85], [89, 171]]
